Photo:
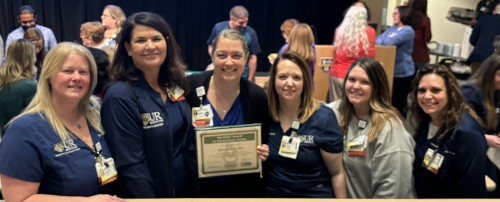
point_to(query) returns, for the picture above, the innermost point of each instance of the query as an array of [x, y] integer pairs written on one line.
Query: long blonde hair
[[19, 63], [300, 40], [42, 101], [352, 32], [381, 110]]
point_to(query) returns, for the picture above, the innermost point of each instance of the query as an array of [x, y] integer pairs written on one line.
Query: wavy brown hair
[[452, 112]]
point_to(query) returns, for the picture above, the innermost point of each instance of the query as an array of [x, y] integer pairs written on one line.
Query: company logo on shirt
[[309, 139], [65, 147], [151, 120]]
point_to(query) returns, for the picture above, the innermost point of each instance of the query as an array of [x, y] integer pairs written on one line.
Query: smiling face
[[358, 88], [289, 81], [147, 47], [432, 95], [27, 20], [238, 23], [229, 59], [72, 81]]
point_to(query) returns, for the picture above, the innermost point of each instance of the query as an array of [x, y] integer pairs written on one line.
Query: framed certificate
[[228, 150]]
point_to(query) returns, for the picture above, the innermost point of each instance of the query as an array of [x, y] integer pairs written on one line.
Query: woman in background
[[301, 41], [112, 19], [450, 153], [423, 33], [353, 39], [313, 168], [17, 86], [482, 92], [378, 151], [285, 28], [401, 35], [36, 37]]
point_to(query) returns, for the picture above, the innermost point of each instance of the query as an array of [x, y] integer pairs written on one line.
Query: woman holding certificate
[[221, 98], [305, 142], [378, 151]]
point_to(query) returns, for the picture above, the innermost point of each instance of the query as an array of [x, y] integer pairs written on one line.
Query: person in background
[[483, 8], [314, 167], [27, 18], [36, 37], [230, 100], [55, 149], [450, 152], [238, 20], [285, 28], [112, 19], [92, 35], [378, 150], [17, 86], [353, 39], [301, 41], [423, 33], [145, 115], [481, 91], [364, 5], [401, 35], [482, 38]]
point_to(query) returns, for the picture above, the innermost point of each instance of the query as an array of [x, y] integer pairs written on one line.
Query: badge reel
[[289, 147], [202, 115], [176, 94], [105, 167], [356, 146]]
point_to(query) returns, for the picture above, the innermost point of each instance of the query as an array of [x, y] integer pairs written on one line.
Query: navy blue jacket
[[149, 155], [482, 37], [462, 172]]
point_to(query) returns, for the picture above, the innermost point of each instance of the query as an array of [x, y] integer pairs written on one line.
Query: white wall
[[443, 30]]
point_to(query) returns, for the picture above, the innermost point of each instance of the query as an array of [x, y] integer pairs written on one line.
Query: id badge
[[432, 161], [289, 147], [106, 170], [202, 116], [429, 155], [357, 146]]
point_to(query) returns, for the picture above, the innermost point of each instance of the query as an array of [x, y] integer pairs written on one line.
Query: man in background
[[27, 19], [238, 20]]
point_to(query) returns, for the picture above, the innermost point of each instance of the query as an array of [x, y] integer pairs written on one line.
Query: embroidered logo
[[151, 120], [65, 147], [309, 139]]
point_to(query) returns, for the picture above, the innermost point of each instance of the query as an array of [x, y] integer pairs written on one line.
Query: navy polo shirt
[[32, 151]]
